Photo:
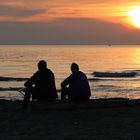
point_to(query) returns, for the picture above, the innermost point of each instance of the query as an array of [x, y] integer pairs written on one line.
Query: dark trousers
[[37, 95], [30, 91], [66, 93]]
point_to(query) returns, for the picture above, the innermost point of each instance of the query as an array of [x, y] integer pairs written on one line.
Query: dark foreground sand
[[96, 120]]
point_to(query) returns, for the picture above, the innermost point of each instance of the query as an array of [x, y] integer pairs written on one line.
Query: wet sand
[[98, 119]]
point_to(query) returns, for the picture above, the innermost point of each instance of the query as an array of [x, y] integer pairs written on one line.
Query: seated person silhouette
[[76, 86], [41, 85]]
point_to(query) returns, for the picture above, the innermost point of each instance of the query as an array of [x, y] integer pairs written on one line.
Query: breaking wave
[[115, 74]]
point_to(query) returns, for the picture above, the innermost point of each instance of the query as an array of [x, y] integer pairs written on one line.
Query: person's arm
[[31, 81], [54, 91], [66, 82]]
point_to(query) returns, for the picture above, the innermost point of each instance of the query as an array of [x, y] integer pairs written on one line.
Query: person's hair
[[74, 67], [42, 64]]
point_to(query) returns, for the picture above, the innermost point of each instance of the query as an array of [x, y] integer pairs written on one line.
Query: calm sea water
[[20, 62]]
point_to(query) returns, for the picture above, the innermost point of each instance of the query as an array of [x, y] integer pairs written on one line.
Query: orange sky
[[46, 10], [69, 22]]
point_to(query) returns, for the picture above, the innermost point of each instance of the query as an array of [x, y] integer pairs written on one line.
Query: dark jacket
[[44, 84], [77, 84]]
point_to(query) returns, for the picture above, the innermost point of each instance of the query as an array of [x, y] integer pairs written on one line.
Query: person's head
[[74, 67], [42, 65]]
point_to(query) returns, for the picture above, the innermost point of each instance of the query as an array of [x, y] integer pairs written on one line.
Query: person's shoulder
[[36, 73], [49, 71], [80, 72]]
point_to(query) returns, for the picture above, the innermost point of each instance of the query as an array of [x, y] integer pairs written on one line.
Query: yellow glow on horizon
[[124, 13], [135, 16]]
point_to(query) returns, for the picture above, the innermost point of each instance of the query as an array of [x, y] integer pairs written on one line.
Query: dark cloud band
[[19, 12]]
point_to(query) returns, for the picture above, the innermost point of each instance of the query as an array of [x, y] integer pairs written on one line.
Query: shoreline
[[59, 104], [97, 119]]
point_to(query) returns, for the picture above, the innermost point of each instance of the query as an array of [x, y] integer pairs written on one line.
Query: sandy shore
[[98, 119]]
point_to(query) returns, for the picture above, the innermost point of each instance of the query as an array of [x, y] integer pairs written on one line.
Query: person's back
[[45, 85], [79, 86], [76, 86], [41, 85]]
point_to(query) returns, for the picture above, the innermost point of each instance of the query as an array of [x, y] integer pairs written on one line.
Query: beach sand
[[96, 120]]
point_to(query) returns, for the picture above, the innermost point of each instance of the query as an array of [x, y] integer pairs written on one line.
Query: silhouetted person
[[76, 86], [41, 85]]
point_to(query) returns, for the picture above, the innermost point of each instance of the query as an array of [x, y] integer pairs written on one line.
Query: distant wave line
[[19, 89], [12, 79], [10, 88], [8, 79]]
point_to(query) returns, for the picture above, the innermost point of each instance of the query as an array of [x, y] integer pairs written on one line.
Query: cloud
[[19, 11], [67, 31], [22, 10]]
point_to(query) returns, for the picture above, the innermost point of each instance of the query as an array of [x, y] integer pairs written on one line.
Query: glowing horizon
[[36, 11], [69, 22]]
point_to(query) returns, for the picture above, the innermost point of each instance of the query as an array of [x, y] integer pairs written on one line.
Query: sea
[[19, 62]]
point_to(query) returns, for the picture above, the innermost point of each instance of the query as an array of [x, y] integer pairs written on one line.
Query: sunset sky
[[69, 22]]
